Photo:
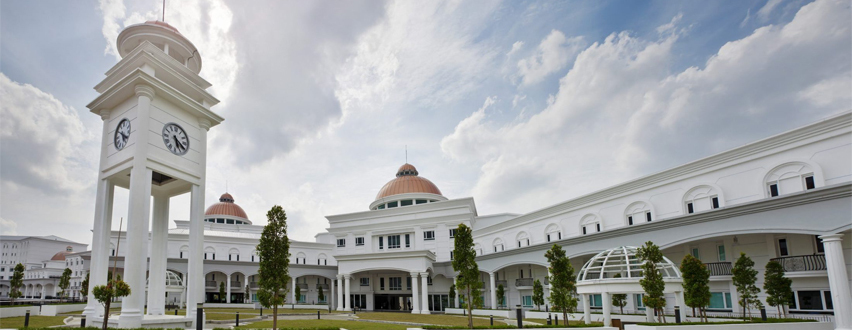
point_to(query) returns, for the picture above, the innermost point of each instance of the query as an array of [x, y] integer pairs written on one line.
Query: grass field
[[310, 324], [570, 324], [437, 319], [35, 321]]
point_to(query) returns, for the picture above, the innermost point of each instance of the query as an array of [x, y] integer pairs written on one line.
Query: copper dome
[[226, 206], [408, 181]]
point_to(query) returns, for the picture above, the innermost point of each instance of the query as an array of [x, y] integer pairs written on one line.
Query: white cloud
[[766, 10], [620, 112], [8, 227], [670, 26], [515, 48], [554, 52]]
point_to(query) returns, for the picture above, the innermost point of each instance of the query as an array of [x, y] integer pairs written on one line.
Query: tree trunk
[[275, 313], [469, 308], [106, 314], [565, 316]]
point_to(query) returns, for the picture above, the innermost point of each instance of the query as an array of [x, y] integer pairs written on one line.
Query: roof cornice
[[386, 255]]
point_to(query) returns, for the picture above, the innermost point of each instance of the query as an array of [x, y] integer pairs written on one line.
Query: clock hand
[[177, 144]]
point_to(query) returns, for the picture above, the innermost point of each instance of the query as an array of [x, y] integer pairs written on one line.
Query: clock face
[[122, 134], [175, 139]]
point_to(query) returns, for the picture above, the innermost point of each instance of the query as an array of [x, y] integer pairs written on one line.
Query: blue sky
[[520, 104]]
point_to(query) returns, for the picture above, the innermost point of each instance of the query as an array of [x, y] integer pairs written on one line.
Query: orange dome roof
[[226, 206], [408, 181], [60, 256]]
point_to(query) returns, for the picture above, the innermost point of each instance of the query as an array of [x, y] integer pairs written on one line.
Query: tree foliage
[[501, 295], [777, 287], [115, 288], [652, 279], [84, 287], [538, 294], [298, 291], [16, 282], [619, 300], [464, 262], [563, 284], [453, 295], [222, 293], [696, 284], [744, 277], [64, 281], [320, 294], [274, 252]]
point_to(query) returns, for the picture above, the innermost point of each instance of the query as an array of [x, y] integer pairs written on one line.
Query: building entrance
[[392, 302]]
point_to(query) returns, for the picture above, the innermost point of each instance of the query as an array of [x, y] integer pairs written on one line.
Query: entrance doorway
[[438, 302], [392, 302]]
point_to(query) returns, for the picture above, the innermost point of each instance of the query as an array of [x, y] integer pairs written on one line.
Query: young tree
[[274, 252], [453, 295], [696, 284], [464, 262], [619, 300], [320, 294], [652, 280], [115, 288], [298, 292], [16, 281], [538, 294], [84, 288], [247, 296], [64, 281], [777, 287], [563, 284], [744, 276], [501, 295]]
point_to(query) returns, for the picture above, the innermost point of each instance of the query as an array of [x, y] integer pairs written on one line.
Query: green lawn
[[35, 321], [562, 322], [437, 319], [311, 324]]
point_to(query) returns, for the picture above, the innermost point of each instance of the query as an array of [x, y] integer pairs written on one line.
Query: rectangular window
[[381, 242], [453, 233], [598, 227], [695, 254], [359, 241], [395, 283], [220, 220], [392, 204], [715, 201], [595, 300], [648, 216], [429, 235], [828, 303], [408, 283], [528, 301], [428, 280], [181, 254], [451, 255], [721, 250], [406, 202], [407, 241], [820, 248], [689, 208], [810, 300], [773, 190], [393, 242], [809, 183], [638, 301], [381, 207], [629, 220], [548, 237], [559, 235], [720, 300], [365, 281], [519, 243], [782, 247], [420, 201], [229, 221], [584, 230], [341, 242], [381, 283]]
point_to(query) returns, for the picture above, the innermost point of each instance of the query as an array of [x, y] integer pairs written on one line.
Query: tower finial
[[406, 154], [164, 11]]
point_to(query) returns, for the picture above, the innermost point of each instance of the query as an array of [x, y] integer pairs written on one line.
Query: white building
[[44, 259]]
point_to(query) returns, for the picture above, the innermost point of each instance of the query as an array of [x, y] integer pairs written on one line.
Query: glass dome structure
[[622, 260], [173, 280]]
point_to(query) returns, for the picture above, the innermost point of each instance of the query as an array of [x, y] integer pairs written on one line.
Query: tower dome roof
[[226, 207], [408, 181]]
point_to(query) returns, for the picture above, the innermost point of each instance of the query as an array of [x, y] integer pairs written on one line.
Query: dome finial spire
[[406, 154]]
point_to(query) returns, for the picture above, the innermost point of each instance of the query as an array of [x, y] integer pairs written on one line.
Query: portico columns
[[494, 304], [42, 292], [415, 297], [649, 314], [424, 308], [681, 302], [340, 292], [838, 281], [331, 300], [159, 243], [457, 293], [195, 267], [227, 288], [607, 308], [587, 309], [347, 300], [293, 291], [101, 229]]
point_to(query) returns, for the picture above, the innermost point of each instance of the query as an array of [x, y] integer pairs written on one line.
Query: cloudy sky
[[520, 104]]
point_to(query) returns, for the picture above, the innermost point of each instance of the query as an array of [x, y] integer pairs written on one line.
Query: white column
[[735, 306], [228, 288], [494, 303], [607, 308], [331, 294], [838, 281], [195, 267], [649, 314], [424, 306], [100, 245], [42, 292], [681, 302], [347, 300], [293, 291], [415, 296], [136, 257], [587, 309], [340, 292], [457, 293], [159, 247]]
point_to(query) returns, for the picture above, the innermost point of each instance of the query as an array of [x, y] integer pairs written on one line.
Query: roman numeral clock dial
[[122, 134], [175, 139]]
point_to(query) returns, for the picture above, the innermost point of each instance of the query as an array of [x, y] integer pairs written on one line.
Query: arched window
[[590, 223], [638, 212], [184, 251], [703, 198], [234, 255], [209, 253], [792, 177], [478, 248], [553, 232], [322, 260], [300, 258], [522, 239], [498, 245]]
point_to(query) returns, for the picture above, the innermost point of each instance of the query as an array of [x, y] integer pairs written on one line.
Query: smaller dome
[[408, 181], [226, 207], [624, 262], [60, 256]]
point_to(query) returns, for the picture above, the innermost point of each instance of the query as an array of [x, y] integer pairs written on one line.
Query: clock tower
[[156, 114]]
